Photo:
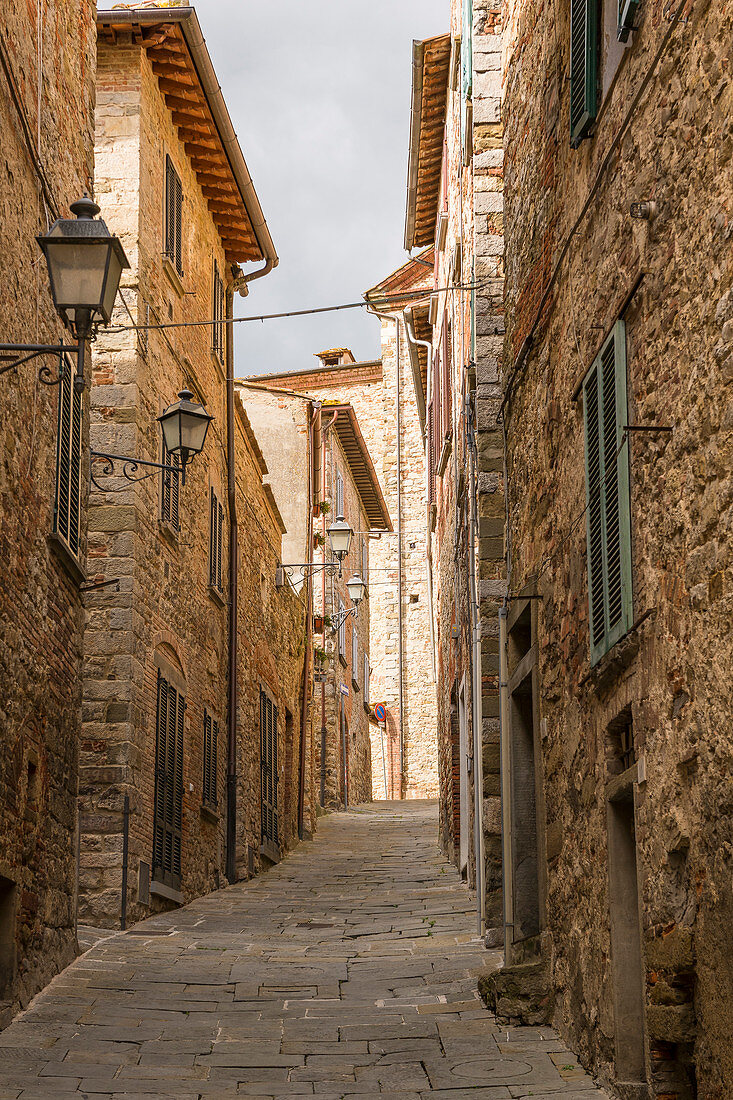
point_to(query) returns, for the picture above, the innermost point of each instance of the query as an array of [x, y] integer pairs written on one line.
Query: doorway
[[8, 895], [463, 780]]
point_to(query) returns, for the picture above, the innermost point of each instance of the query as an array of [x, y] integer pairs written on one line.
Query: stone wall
[[40, 601], [670, 280], [165, 615]]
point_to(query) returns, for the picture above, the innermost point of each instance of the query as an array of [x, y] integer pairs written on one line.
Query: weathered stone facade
[[320, 444], [622, 765], [371, 388], [162, 632], [455, 207], [47, 163]]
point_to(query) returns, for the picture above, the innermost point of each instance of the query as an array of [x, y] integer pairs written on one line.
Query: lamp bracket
[[340, 618], [37, 351], [333, 568], [130, 467]]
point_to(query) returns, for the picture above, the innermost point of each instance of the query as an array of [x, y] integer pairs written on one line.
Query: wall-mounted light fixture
[[184, 425], [85, 263], [356, 588], [339, 540]]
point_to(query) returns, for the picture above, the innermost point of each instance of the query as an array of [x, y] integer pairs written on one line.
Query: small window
[[583, 68], [608, 500], [173, 216], [342, 630], [339, 494], [68, 461], [170, 490], [215, 542], [211, 747], [269, 770], [354, 655], [168, 800], [217, 305], [366, 680]]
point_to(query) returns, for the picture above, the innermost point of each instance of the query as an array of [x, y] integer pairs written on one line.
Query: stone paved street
[[348, 970]]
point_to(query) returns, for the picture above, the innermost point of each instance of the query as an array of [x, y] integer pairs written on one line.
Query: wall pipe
[[504, 771], [477, 708], [400, 642], [314, 413], [231, 822]]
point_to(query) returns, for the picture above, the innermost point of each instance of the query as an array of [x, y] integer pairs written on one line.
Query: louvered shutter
[[268, 750], [206, 792], [169, 211], [169, 491], [467, 49], [212, 538], [178, 191], [161, 737], [178, 793], [431, 452], [583, 67], [626, 16], [219, 542], [608, 513], [215, 764], [67, 506], [445, 382]]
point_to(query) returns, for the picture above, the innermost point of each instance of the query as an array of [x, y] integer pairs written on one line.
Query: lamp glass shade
[[296, 577], [184, 425], [355, 587], [339, 536], [85, 263]]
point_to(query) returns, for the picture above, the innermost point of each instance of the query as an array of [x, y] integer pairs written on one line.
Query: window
[[342, 630], [583, 68], [268, 765], [215, 542], [211, 744], [169, 490], [354, 656], [218, 311], [68, 461], [366, 680], [608, 503], [339, 494], [625, 21], [168, 806], [173, 205]]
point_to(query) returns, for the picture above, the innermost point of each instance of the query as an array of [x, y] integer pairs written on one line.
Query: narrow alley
[[348, 970]]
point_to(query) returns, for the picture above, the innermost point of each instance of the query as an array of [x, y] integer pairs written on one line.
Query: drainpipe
[[314, 414], [507, 877], [476, 678], [324, 730], [428, 344], [231, 824], [399, 567]]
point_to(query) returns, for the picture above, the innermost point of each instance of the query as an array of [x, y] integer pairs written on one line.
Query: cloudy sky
[[319, 93]]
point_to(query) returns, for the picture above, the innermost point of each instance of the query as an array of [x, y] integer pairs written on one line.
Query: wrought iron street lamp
[[184, 424], [356, 588], [85, 263], [339, 540]]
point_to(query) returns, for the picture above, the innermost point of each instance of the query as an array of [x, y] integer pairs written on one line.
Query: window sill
[[169, 533], [355, 684], [342, 661], [613, 664], [209, 813], [270, 851], [162, 890], [173, 277], [217, 597], [72, 566], [219, 365]]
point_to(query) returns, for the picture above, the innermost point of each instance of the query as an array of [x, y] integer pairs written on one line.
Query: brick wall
[[40, 602]]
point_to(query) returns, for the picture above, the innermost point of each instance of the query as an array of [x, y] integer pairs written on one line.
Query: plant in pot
[[325, 507]]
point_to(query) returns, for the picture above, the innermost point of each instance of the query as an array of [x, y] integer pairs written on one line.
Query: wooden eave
[[431, 66], [362, 469], [181, 88]]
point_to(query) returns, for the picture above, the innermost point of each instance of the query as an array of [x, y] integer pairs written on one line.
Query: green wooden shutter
[[161, 737], [626, 16], [207, 757], [583, 68], [214, 763], [467, 50], [608, 500], [178, 793], [67, 506]]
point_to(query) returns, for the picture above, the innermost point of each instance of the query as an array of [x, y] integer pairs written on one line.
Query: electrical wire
[[386, 299]]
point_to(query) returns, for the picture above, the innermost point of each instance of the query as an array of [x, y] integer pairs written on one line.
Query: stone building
[[401, 662], [47, 121], [618, 367], [454, 207], [321, 468], [193, 661]]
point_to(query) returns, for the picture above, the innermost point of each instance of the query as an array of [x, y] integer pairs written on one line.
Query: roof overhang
[[344, 422], [430, 72], [177, 50]]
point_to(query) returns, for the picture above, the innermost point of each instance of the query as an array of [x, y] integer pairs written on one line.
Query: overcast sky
[[319, 93]]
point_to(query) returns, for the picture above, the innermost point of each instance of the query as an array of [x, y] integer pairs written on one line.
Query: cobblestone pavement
[[349, 970]]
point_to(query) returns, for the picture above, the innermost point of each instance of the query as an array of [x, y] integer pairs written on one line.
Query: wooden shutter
[[431, 461], [268, 758], [67, 507], [366, 679], [168, 798], [445, 383], [173, 216], [218, 310], [583, 67], [354, 654], [216, 538], [211, 746], [608, 500], [169, 490], [467, 50]]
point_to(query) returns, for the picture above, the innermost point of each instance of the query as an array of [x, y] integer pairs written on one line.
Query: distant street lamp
[[355, 587], [85, 263], [339, 537], [339, 540]]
